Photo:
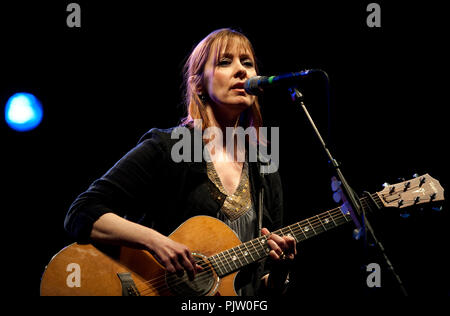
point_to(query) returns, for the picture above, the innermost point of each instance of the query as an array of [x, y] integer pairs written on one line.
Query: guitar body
[[83, 270]]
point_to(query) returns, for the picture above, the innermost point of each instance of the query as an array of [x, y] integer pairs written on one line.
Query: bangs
[[232, 42]]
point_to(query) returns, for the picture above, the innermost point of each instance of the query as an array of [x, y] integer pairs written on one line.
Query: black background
[[105, 84]]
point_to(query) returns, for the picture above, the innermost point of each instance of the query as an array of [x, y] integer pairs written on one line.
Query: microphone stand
[[297, 98]]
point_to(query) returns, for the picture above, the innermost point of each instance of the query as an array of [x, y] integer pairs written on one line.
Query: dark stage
[[104, 84]]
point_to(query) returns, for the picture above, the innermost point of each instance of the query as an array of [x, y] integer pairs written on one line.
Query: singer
[[146, 196]]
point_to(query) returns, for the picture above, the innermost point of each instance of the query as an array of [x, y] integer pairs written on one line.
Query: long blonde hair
[[194, 77]]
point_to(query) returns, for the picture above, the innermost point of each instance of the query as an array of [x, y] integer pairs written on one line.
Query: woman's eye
[[224, 62], [247, 63]]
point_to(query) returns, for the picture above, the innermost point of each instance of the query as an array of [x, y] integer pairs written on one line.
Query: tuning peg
[[357, 233], [432, 196], [385, 185], [404, 214], [437, 209], [422, 181], [337, 196], [335, 184], [407, 185], [392, 190], [415, 175]]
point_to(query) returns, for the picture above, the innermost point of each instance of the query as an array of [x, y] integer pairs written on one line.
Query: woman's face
[[225, 79]]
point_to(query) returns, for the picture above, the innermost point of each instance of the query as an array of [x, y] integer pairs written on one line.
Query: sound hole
[[203, 283]]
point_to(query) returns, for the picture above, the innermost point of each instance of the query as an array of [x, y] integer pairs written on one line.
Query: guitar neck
[[256, 249]]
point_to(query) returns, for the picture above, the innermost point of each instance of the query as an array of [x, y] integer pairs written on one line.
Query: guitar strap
[[253, 176], [260, 206]]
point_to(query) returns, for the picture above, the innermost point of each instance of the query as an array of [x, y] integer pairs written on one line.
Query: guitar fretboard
[[256, 249]]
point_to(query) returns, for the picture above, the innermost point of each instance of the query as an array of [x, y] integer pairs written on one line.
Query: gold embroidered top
[[237, 203]]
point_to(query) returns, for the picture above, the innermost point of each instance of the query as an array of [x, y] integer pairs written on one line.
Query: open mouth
[[238, 87]]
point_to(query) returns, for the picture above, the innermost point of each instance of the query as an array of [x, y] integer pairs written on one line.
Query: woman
[[146, 195]]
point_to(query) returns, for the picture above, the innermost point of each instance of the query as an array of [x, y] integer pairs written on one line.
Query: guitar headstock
[[419, 190]]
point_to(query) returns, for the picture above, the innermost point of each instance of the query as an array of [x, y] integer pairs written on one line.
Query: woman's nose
[[241, 72]]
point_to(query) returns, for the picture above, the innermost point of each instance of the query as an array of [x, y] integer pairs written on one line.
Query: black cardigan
[[146, 186]]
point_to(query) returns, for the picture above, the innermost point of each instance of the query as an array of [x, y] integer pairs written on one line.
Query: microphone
[[255, 85]]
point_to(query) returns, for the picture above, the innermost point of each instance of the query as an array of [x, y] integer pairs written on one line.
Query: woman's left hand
[[282, 248]]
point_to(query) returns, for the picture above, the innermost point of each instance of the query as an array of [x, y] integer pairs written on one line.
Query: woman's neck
[[223, 122]]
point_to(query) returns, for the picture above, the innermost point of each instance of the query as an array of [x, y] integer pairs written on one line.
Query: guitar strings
[[313, 224], [161, 284], [316, 223]]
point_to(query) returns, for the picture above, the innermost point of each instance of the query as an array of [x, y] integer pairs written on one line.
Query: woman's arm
[[113, 229]]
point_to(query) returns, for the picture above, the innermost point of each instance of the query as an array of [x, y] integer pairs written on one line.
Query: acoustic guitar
[[82, 269]]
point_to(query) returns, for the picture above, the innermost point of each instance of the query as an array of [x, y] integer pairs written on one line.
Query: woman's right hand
[[173, 256]]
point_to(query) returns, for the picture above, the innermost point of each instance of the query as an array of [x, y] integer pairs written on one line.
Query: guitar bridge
[[128, 286]]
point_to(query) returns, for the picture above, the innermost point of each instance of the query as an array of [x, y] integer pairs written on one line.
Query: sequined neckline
[[238, 203]]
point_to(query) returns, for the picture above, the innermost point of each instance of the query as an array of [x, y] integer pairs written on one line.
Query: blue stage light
[[23, 112]]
